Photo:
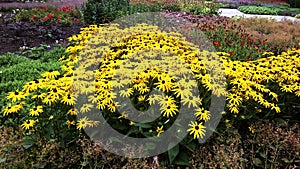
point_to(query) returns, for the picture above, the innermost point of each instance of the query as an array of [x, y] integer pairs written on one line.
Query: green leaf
[[143, 125], [257, 162], [182, 159], [173, 152], [286, 160], [28, 142], [190, 146], [263, 155]]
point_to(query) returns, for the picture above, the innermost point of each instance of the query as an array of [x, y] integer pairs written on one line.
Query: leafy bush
[[226, 36], [103, 11], [259, 10], [268, 10], [16, 70], [201, 7], [278, 36]]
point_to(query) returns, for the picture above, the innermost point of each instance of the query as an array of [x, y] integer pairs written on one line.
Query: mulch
[[56, 3]]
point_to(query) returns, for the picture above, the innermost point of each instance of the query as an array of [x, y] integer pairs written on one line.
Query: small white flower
[[0, 71]]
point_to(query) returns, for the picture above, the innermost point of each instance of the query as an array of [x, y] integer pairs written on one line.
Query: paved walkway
[[235, 12]]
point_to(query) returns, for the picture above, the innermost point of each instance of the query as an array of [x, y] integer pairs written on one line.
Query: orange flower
[[217, 43]]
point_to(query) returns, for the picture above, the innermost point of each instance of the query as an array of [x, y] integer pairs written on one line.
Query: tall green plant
[[103, 11]]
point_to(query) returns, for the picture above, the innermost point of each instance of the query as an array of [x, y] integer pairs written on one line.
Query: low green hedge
[[268, 10]]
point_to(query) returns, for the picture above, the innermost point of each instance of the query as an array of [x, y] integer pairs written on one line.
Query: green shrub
[[269, 10], [103, 11], [261, 10], [16, 70], [201, 8]]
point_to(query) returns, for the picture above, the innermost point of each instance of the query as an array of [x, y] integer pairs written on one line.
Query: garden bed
[[39, 87]]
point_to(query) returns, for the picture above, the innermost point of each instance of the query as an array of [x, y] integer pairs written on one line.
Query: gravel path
[[235, 12]]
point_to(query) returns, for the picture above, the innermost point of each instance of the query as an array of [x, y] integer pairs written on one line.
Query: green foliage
[[103, 11], [268, 10], [16, 70], [201, 8], [261, 10]]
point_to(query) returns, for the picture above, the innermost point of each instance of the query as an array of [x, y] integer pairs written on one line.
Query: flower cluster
[[42, 15], [130, 63]]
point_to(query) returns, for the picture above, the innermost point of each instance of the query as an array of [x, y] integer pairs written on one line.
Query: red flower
[[248, 58], [50, 16], [58, 19], [264, 41], [45, 18], [76, 20], [231, 53], [217, 43], [243, 43], [43, 7], [259, 51]]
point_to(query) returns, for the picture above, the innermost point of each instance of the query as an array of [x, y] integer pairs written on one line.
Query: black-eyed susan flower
[[12, 108], [169, 109], [27, 124], [51, 74], [68, 99], [86, 108], [16, 96], [36, 110], [202, 114], [196, 129]]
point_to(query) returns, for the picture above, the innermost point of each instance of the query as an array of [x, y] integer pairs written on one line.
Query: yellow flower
[[68, 99], [12, 108], [72, 112], [28, 124], [36, 110], [83, 123], [86, 108], [51, 74], [234, 99], [69, 123], [169, 109], [197, 129], [202, 114], [251, 129], [15, 96], [159, 130]]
